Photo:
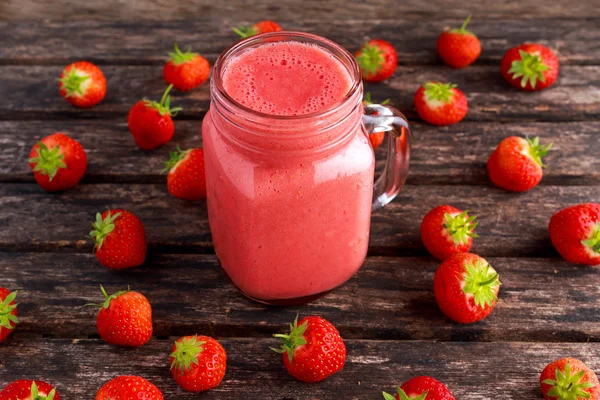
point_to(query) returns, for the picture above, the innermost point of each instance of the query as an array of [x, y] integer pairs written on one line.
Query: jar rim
[[335, 49]]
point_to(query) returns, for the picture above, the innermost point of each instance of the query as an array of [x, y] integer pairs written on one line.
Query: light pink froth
[[286, 78]]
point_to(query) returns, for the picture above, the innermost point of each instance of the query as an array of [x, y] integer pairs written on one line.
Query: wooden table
[[387, 313]]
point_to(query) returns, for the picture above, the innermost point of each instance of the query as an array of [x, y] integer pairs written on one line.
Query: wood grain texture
[[454, 155], [510, 224], [480, 371], [389, 298], [31, 92], [576, 41], [326, 11]]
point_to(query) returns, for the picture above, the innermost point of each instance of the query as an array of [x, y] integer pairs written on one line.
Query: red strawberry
[[29, 390], [120, 239], [82, 84], [186, 71], [375, 138], [58, 162], [377, 60], [466, 288], [530, 67], [446, 231], [459, 47], [129, 388], [313, 350], [124, 319], [575, 233], [198, 363], [516, 164], [441, 103], [8, 313], [260, 27], [150, 122], [569, 379], [186, 178], [421, 388]]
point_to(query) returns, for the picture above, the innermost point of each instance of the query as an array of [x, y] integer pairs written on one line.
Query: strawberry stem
[[245, 31], [293, 340], [593, 242], [186, 353], [463, 29], [567, 386], [460, 227], [103, 227], [179, 58], [108, 298], [439, 91], [174, 158], [164, 107], [370, 59], [529, 68], [71, 82], [48, 161], [480, 281], [403, 396], [35, 394], [7, 319], [536, 151], [367, 100]]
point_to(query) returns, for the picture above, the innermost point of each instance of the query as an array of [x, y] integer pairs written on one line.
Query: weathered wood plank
[[326, 11], [389, 298], [31, 92], [510, 224], [577, 41], [469, 370], [453, 155]]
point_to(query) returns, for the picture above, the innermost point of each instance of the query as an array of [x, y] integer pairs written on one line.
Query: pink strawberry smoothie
[[289, 202]]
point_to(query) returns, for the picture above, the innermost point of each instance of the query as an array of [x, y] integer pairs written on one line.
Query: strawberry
[[186, 178], [441, 103], [198, 363], [120, 239], [82, 84], [466, 288], [377, 60], [8, 313], [150, 122], [529, 67], [446, 231], [421, 388], [313, 350], [376, 138], [29, 390], [259, 27], [186, 71], [124, 319], [58, 162], [129, 388], [569, 379], [458, 47], [516, 164], [575, 233]]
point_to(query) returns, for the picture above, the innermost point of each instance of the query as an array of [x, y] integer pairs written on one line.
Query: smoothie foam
[[286, 78]]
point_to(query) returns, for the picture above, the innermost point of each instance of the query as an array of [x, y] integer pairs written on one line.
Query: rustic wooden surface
[[387, 312]]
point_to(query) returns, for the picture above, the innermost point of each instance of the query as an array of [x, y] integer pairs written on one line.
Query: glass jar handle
[[380, 118]]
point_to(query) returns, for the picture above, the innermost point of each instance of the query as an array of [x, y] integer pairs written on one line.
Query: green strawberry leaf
[[48, 161], [530, 68], [567, 386], [293, 340], [460, 227], [439, 91], [480, 281], [186, 353]]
